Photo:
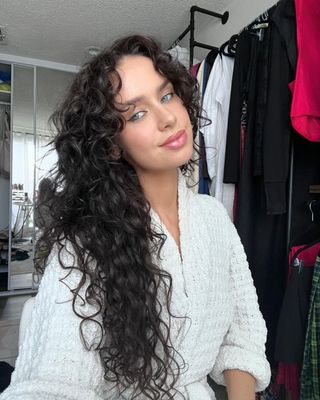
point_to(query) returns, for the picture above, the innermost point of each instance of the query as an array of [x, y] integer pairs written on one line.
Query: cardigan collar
[[174, 262], [183, 218]]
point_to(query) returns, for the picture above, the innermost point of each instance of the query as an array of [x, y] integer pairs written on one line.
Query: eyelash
[[168, 94], [133, 117]]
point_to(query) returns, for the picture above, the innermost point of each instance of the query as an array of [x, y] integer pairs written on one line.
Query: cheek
[[134, 140], [184, 114]]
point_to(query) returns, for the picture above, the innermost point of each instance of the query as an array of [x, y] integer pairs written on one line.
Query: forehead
[[138, 76]]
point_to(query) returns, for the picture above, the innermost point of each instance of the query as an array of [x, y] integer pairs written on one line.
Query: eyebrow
[[135, 100]]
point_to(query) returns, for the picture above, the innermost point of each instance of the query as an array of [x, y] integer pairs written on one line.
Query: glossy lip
[[174, 137]]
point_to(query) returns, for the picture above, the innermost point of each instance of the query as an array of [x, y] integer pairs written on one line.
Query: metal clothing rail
[[193, 43]]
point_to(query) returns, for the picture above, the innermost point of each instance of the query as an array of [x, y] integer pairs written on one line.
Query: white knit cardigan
[[212, 286]]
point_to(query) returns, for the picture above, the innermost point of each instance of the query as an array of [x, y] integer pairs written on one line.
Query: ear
[[117, 153]]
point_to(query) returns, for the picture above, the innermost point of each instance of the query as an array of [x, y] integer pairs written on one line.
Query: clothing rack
[[193, 43]]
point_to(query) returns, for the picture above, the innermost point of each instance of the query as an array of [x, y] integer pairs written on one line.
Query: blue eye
[[137, 116], [167, 97]]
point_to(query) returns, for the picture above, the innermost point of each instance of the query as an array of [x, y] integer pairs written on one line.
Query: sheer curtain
[[45, 157], [32, 160], [22, 183]]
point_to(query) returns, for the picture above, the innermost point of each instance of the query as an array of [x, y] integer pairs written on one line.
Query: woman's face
[[158, 134]]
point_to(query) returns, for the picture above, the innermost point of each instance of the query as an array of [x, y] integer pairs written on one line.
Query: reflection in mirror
[[51, 86], [22, 181], [36, 92], [5, 99]]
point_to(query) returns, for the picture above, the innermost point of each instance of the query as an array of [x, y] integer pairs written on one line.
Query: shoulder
[[210, 207], [62, 274], [61, 258], [63, 287], [210, 219]]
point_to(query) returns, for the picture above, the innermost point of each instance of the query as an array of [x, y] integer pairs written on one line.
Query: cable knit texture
[[212, 286]]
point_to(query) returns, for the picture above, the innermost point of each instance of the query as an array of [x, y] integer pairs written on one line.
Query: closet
[[28, 95], [262, 162], [5, 109]]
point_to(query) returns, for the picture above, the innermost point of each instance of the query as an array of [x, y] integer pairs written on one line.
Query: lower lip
[[177, 143]]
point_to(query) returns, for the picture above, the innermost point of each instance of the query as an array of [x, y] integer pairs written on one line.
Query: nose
[[166, 118]]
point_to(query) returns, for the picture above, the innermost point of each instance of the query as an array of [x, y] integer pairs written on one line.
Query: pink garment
[[305, 107], [288, 375], [308, 255], [194, 69]]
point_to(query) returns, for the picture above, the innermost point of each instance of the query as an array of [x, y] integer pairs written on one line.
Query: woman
[[146, 288]]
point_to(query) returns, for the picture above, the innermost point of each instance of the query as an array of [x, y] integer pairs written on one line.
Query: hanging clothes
[[198, 178], [305, 108], [306, 170], [258, 164], [192, 178], [294, 316], [310, 376], [204, 178], [182, 55], [277, 127], [216, 106], [271, 113]]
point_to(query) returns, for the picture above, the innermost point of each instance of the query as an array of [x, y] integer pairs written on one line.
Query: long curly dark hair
[[97, 204]]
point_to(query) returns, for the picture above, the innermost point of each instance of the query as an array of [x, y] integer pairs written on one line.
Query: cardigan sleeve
[[53, 363], [243, 346]]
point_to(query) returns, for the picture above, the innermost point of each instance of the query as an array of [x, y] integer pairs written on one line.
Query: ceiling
[[61, 30]]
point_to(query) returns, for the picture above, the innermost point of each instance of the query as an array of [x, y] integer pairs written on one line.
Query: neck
[[161, 190]]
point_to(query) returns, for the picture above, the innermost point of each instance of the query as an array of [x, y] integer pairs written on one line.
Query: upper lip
[[174, 137]]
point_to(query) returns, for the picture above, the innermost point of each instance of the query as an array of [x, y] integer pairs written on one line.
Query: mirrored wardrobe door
[[36, 93], [51, 86], [5, 121], [22, 178]]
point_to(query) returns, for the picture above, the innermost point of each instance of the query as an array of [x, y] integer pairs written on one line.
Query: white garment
[[212, 286], [193, 179], [182, 55], [216, 104]]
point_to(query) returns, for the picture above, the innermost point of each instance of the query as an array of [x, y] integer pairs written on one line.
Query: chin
[[184, 160], [188, 153]]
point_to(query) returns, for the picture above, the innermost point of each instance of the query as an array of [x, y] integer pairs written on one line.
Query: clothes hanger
[[311, 235], [229, 47]]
